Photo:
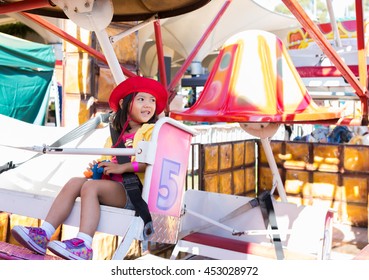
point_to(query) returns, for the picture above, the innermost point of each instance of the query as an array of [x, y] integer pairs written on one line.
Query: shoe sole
[[62, 252], [23, 238]]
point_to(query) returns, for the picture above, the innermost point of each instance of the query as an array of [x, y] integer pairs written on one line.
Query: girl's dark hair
[[121, 116]]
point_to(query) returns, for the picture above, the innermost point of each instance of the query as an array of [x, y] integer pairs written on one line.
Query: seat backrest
[[165, 176]]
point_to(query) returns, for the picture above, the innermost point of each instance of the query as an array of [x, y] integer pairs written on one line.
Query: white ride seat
[[305, 231], [30, 189]]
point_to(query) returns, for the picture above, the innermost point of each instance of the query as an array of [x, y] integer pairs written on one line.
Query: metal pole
[[19, 6], [323, 43], [116, 38], [160, 53], [363, 73], [332, 18], [112, 60], [277, 181], [189, 59], [62, 34]]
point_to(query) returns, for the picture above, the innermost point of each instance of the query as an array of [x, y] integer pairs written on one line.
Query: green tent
[[26, 70]]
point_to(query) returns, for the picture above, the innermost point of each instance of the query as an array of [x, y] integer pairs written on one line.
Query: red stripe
[[324, 71]]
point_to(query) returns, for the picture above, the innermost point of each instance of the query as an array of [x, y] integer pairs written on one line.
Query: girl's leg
[[37, 239], [63, 203], [94, 193]]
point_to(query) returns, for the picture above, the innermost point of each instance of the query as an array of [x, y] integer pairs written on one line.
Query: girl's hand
[[89, 173], [111, 168], [90, 165]]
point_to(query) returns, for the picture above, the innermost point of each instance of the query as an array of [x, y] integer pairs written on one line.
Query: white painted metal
[[96, 16], [265, 131], [305, 226]]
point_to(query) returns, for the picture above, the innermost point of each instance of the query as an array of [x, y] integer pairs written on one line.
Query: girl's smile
[[143, 107]]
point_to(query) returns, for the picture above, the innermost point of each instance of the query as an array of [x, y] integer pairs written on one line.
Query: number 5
[[168, 187]]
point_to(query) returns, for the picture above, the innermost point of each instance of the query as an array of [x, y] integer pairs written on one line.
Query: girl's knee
[[76, 181], [88, 187], [74, 185]]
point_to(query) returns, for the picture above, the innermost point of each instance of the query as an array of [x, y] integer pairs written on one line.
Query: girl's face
[[143, 107]]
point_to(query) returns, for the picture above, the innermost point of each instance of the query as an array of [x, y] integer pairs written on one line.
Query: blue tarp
[[26, 70]]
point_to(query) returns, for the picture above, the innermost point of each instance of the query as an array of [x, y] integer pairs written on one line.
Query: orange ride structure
[[259, 100]]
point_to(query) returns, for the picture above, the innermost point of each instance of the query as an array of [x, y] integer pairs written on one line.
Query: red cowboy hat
[[139, 84]]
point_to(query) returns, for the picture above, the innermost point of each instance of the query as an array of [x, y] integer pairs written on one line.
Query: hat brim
[[139, 84]]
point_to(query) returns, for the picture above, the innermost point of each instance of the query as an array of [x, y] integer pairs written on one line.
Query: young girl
[[136, 103]]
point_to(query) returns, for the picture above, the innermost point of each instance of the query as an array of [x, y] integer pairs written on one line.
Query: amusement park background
[[78, 86]]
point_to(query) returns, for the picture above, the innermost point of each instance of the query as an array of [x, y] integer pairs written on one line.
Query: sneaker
[[72, 249], [32, 238]]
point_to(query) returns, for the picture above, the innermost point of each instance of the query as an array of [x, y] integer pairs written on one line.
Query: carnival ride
[[318, 73], [283, 100]]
